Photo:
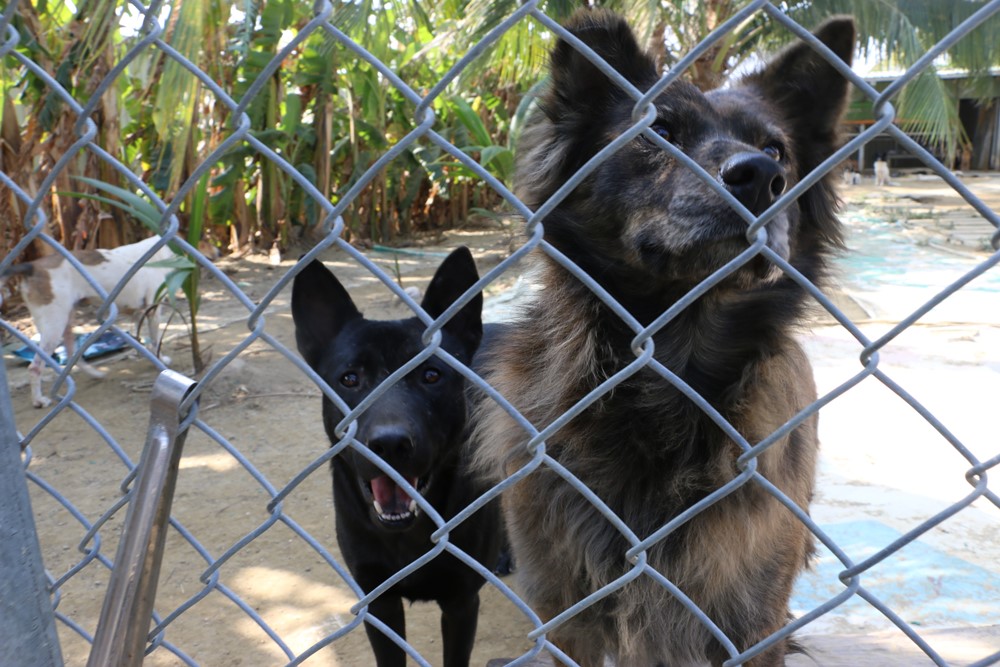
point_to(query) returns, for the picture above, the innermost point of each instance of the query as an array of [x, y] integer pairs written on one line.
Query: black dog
[[418, 427]]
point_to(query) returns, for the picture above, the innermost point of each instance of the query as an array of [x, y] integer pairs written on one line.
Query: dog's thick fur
[[648, 230], [51, 288], [419, 427]]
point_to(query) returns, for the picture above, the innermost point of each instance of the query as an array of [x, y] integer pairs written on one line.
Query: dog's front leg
[[50, 322], [35, 378], [459, 616], [388, 609], [156, 334], [69, 343]]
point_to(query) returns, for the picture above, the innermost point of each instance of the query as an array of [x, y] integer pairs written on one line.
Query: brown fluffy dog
[[648, 230]]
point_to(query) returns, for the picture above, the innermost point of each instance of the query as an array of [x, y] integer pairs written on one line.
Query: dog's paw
[[165, 359], [41, 401], [92, 372]]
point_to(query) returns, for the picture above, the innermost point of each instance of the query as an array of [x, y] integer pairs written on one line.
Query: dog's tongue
[[389, 496]]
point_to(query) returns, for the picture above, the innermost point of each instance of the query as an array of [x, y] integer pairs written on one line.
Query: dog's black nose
[[755, 179], [392, 446]]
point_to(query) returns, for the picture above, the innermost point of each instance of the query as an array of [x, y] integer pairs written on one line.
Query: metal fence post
[[120, 640], [27, 623]]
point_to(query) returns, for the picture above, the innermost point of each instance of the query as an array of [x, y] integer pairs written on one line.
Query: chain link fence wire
[[229, 570]]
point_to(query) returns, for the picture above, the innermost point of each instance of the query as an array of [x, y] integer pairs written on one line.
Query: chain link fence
[[226, 590]]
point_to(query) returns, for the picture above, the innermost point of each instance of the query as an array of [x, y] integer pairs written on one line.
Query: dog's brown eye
[[349, 380], [773, 151], [431, 375]]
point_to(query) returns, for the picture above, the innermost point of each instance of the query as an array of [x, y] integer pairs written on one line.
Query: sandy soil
[[268, 410]]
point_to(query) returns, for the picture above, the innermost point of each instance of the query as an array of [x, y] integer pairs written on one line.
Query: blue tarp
[[107, 343]]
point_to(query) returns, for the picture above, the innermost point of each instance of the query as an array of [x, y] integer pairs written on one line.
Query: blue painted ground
[[924, 585], [880, 256]]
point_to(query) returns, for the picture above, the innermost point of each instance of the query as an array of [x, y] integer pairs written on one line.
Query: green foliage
[[134, 205], [894, 34], [332, 114]]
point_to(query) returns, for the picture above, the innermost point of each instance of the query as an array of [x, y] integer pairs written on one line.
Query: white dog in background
[[51, 288], [881, 171]]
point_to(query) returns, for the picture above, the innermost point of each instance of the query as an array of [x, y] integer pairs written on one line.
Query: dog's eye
[[773, 151], [431, 375], [662, 130], [350, 380]]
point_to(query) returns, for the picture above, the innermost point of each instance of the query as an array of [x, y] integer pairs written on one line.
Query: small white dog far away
[[881, 171], [51, 288]]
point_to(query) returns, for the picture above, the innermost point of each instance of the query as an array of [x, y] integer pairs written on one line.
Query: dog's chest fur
[[649, 453], [660, 444]]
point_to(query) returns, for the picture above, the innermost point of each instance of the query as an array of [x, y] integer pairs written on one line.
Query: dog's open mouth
[[392, 504]]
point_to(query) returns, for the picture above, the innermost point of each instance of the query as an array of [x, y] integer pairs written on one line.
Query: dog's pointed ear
[[576, 79], [806, 87], [456, 274], [320, 308]]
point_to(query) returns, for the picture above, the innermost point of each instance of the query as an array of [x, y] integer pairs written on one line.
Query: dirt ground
[[269, 411]]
